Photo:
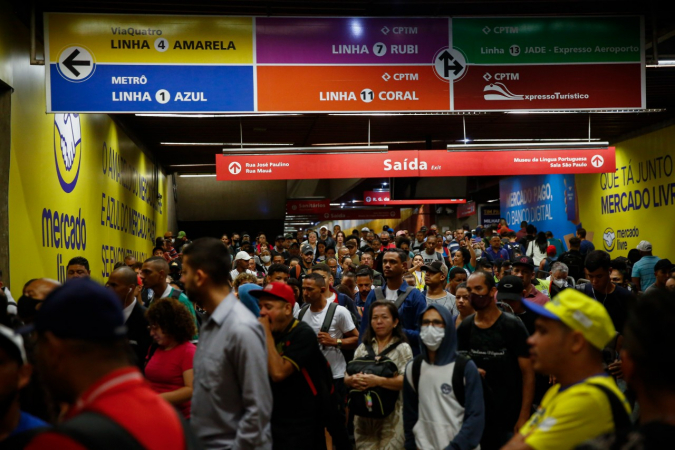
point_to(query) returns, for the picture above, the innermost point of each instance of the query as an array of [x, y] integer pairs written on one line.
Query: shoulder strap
[[302, 312], [329, 317], [94, 430], [297, 271], [379, 293], [402, 296], [151, 351], [416, 369], [370, 351], [458, 377], [619, 414], [390, 348]]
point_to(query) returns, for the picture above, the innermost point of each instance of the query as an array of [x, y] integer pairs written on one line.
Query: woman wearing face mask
[[416, 271], [265, 260], [169, 368], [434, 415], [463, 304], [384, 332]]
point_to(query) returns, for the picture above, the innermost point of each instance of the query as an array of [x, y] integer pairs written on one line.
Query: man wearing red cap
[[301, 378]]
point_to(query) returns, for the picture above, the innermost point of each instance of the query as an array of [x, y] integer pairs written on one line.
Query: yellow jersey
[[573, 415]]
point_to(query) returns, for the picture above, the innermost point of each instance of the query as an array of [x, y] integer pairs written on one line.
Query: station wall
[[78, 186], [638, 201]]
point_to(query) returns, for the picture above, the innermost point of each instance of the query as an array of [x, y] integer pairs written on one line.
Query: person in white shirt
[[241, 265], [341, 334]]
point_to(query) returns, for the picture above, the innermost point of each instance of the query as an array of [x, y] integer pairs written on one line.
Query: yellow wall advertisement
[[635, 203], [78, 187]]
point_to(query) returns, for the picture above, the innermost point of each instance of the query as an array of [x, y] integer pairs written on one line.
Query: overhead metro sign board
[[415, 163], [137, 63]]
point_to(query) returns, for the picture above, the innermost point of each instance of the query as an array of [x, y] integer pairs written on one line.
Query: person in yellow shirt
[[570, 333]]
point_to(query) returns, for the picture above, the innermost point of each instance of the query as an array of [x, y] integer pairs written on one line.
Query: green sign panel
[[555, 40]]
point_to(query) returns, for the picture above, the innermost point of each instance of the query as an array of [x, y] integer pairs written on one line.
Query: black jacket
[[138, 334]]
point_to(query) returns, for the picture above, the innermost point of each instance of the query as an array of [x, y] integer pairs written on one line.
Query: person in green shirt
[[154, 273]]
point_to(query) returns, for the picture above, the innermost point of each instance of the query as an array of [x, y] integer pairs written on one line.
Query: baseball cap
[[82, 309], [12, 343], [294, 244], [580, 313], [644, 246], [510, 288], [435, 267], [181, 234], [365, 229], [663, 264], [306, 248], [524, 261], [242, 255], [551, 250], [280, 237], [400, 233], [288, 236], [323, 227], [276, 289], [175, 265], [423, 229]]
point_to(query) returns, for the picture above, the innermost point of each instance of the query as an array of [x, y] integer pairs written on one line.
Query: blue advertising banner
[[549, 202], [489, 215]]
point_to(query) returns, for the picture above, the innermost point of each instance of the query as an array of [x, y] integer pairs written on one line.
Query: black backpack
[[377, 402], [379, 295], [457, 375]]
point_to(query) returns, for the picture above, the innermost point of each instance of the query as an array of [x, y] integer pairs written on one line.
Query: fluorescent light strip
[[453, 201], [369, 143], [191, 165], [197, 175], [341, 149], [593, 111], [663, 63], [531, 140], [211, 116], [219, 144], [439, 113], [529, 146]]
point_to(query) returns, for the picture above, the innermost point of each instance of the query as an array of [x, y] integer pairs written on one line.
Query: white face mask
[[266, 259], [432, 336], [559, 283]]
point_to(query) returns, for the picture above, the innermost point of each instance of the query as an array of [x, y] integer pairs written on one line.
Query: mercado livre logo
[[67, 149]]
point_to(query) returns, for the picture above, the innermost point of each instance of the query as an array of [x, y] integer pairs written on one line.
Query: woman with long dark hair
[[537, 248], [385, 330], [169, 368]]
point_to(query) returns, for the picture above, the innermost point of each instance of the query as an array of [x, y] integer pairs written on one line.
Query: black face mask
[[26, 306]]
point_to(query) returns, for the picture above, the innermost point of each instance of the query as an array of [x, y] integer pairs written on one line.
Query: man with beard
[[81, 354], [15, 374], [497, 343], [232, 398]]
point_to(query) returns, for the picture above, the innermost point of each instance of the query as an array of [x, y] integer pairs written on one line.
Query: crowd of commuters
[[488, 338]]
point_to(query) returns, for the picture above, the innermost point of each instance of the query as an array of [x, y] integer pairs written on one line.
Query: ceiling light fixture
[[197, 175], [493, 200], [219, 144], [338, 149], [451, 201], [530, 146], [212, 116], [591, 111], [191, 165], [663, 63]]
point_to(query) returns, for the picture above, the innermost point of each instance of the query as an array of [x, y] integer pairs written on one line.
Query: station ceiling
[[159, 134]]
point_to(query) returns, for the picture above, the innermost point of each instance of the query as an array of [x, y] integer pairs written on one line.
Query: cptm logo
[[608, 238], [67, 149]]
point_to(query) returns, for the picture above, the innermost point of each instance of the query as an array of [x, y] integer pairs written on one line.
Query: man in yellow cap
[[570, 333]]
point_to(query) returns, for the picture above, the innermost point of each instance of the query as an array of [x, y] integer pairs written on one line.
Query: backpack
[[377, 402], [457, 375], [379, 295], [325, 326]]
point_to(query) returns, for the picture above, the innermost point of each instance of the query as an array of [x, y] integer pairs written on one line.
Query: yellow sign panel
[[635, 203], [151, 39], [78, 186]]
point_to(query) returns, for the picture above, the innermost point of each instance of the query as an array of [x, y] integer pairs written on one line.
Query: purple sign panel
[[349, 40]]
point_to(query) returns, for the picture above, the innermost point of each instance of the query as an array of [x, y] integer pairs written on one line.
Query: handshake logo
[[608, 238]]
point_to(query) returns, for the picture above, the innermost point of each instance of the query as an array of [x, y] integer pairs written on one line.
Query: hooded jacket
[[432, 417]]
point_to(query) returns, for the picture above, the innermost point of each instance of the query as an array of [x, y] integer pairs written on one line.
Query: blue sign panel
[[546, 201], [138, 88]]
